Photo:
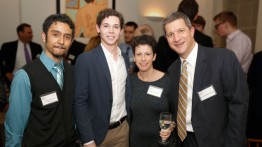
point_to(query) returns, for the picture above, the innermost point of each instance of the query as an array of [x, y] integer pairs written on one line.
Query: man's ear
[[43, 35], [97, 29]]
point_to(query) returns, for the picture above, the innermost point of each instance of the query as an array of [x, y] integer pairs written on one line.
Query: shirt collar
[[232, 35], [191, 59], [48, 62], [107, 53]]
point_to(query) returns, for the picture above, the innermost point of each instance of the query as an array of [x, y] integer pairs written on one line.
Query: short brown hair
[[226, 16], [109, 12]]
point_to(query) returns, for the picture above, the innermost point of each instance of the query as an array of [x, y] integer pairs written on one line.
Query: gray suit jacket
[[220, 120], [93, 95]]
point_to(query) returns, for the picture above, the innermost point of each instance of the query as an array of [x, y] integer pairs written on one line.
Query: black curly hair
[[144, 40]]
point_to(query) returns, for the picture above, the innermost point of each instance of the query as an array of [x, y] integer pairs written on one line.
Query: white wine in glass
[[165, 121]]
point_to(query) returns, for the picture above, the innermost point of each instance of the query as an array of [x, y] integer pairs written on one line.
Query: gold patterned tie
[[182, 103]]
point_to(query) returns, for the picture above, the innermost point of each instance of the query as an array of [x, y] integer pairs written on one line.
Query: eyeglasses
[[217, 25]]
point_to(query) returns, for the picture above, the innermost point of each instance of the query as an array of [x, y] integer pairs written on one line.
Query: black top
[[254, 79], [146, 109]]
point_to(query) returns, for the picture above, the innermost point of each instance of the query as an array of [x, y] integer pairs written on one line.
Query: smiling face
[[144, 57], [180, 37], [57, 41], [110, 31]]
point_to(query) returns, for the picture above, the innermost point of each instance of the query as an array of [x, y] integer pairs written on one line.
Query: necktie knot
[[59, 74], [184, 64]]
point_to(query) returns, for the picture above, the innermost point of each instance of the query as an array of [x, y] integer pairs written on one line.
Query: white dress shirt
[[20, 56], [118, 76], [191, 60], [241, 45]]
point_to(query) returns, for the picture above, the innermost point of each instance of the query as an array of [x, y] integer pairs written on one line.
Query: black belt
[[116, 124]]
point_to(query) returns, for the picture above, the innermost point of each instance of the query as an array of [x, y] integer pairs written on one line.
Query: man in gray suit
[[102, 90], [216, 93]]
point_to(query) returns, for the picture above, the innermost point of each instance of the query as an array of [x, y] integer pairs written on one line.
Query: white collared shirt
[[118, 73], [241, 45], [20, 60], [191, 60]]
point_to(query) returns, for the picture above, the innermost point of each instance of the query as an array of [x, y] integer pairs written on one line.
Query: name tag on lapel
[[207, 93]]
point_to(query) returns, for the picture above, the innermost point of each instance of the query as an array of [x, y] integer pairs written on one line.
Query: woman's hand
[[164, 134]]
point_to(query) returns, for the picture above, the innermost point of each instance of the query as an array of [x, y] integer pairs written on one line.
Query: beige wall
[[167, 6], [14, 12]]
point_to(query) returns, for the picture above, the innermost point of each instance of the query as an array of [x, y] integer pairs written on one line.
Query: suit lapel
[[174, 76], [100, 55], [200, 73]]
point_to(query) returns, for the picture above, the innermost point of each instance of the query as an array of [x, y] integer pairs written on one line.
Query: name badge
[[72, 57], [207, 93], [49, 98], [155, 91]]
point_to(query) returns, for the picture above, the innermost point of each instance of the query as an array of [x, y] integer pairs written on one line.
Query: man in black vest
[[41, 99]]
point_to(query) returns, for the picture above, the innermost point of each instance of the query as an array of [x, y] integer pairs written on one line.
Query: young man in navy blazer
[[102, 90]]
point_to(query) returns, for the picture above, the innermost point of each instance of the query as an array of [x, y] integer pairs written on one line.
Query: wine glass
[[165, 120]]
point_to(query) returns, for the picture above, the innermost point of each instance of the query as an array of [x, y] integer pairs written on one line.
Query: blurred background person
[[129, 31], [254, 79], [16, 54], [74, 51], [236, 40], [199, 23], [144, 29]]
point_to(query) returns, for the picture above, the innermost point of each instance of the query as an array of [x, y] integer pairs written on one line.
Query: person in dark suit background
[[12, 54], [216, 94], [165, 57], [74, 51], [102, 87], [254, 79]]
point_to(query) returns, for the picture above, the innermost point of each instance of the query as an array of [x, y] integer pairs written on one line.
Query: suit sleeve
[[236, 92], [82, 112]]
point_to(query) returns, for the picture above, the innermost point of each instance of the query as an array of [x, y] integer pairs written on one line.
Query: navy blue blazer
[[220, 120], [93, 95]]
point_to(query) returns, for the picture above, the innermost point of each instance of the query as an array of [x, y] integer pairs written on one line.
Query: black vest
[[51, 125]]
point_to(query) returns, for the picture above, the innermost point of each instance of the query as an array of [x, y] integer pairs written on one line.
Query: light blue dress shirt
[[20, 103], [128, 52]]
